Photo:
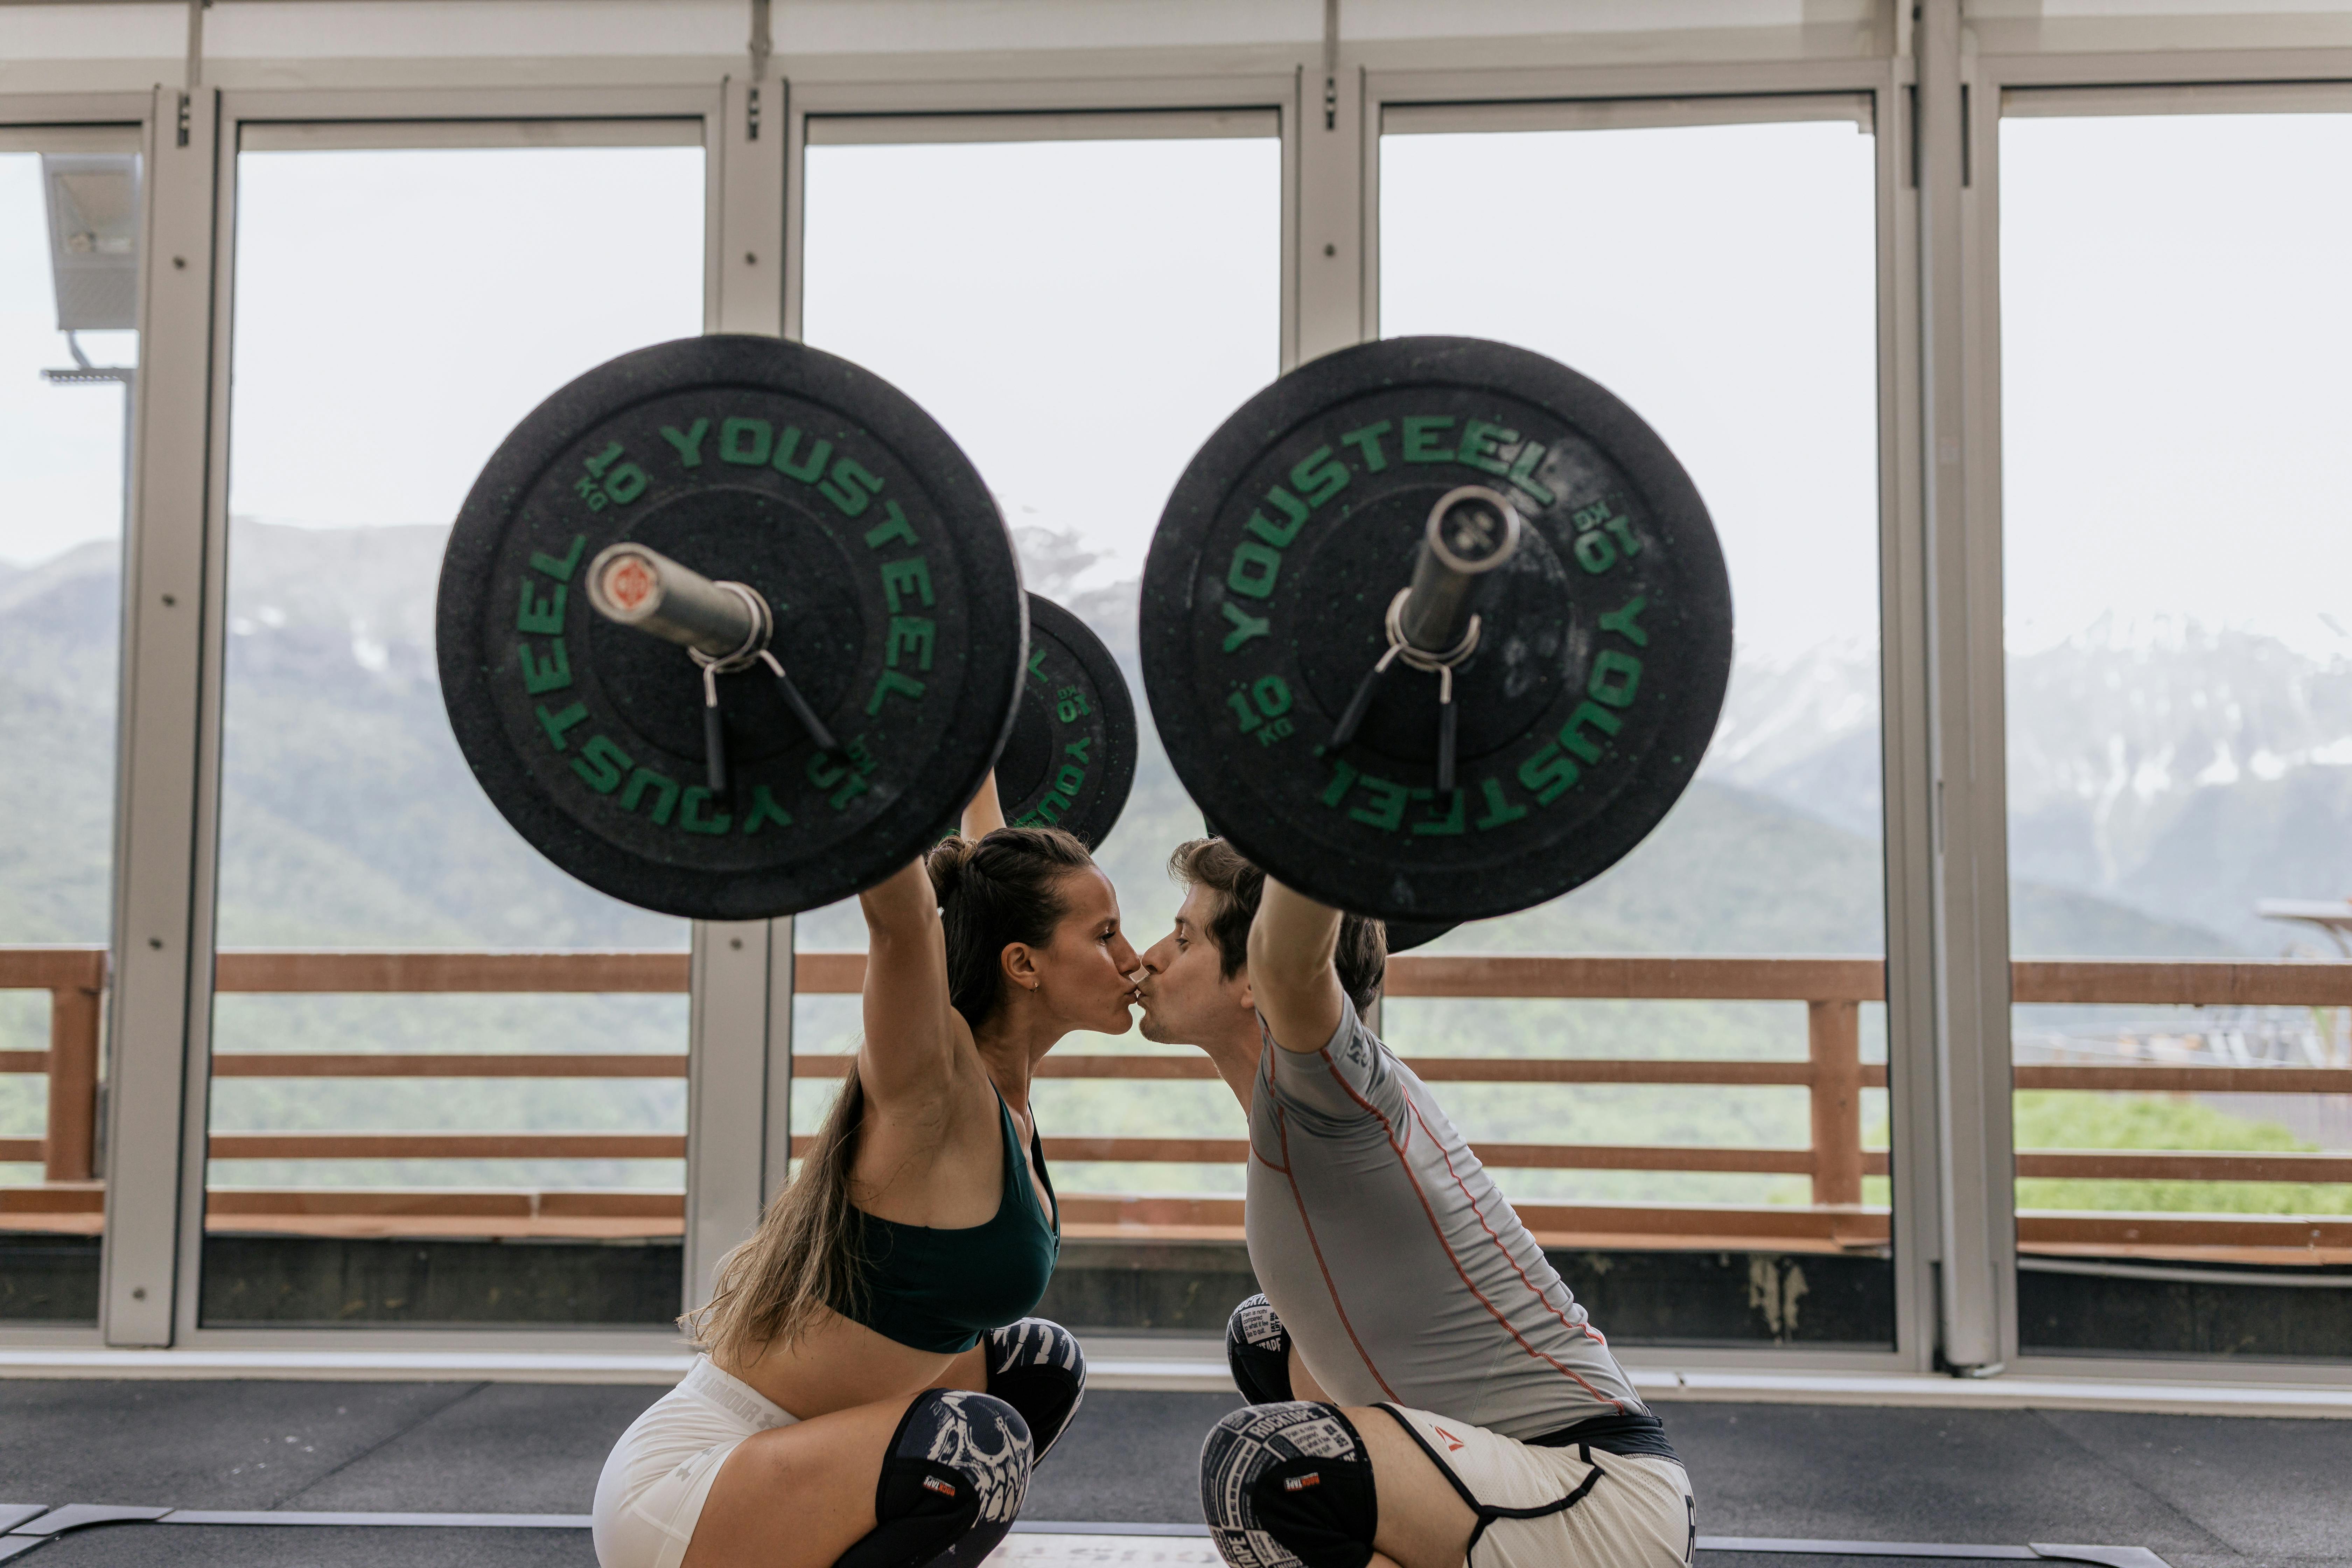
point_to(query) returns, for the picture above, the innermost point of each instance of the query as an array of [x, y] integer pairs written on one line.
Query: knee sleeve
[[1289, 1486], [1035, 1366], [952, 1483], [1258, 1350]]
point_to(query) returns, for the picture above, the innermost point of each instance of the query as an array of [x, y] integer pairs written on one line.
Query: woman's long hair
[[804, 1260]]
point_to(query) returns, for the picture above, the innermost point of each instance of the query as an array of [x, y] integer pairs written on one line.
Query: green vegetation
[[2066, 1120]]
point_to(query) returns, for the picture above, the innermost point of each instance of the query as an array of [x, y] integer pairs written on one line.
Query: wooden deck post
[[69, 1147], [1833, 1040]]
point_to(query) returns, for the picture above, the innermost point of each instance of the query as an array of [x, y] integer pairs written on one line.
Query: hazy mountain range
[[2160, 786]]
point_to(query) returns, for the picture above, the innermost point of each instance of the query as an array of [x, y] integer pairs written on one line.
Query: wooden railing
[[1832, 1073]]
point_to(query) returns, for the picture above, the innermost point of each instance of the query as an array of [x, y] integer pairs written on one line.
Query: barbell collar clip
[[817, 728]]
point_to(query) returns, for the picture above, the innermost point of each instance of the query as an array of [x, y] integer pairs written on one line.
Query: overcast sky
[[2175, 325], [1719, 279], [1080, 315]]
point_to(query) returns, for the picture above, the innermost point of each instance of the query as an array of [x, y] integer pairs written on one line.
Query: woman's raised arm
[[985, 814], [908, 1054]]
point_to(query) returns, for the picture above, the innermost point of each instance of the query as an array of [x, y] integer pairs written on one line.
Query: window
[[2180, 704], [397, 311], [70, 206], [1080, 311], [1715, 265]]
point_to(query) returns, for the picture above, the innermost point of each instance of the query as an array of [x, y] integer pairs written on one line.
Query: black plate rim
[[1105, 807]]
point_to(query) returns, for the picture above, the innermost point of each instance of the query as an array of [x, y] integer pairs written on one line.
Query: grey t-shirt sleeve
[[1351, 1079]]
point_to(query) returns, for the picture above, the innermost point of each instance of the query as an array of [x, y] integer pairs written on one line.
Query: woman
[[871, 1394]]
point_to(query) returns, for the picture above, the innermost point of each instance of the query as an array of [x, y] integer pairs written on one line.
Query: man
[[1422, 1387]]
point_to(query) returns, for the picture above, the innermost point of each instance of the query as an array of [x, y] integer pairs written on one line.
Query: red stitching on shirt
[[1439, 1231], [1586, 1328], [1282, 1125]]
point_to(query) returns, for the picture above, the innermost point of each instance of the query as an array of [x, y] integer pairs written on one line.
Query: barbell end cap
[[1446, 549], [624, 596]]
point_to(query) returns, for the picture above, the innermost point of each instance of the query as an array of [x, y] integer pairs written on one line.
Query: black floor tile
[[2280, 1488], [1129, 1456], [196, 1444], [1857, 1473], [277, 1546], [504, 1448]]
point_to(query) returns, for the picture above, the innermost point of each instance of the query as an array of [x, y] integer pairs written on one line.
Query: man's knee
[[1289, 1486], [952, 1482], [1035, 1366], [1257, 1348]]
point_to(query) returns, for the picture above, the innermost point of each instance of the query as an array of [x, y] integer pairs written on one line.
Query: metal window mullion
[[1906, 760], [160, 948], [1326, 292], [1977, 1225], [731, 1059]]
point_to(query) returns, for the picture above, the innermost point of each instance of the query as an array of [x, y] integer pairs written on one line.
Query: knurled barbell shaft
[[1471, 531], [645, 589]]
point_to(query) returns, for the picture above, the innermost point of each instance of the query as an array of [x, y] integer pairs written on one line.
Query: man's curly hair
[[1362, 959]]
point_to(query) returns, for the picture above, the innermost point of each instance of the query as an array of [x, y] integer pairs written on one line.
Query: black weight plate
[[1406, 935], [899, 614], [1583, 711], [1070, 759]]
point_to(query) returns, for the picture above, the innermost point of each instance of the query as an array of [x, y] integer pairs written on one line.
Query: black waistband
[[1635, 1431]]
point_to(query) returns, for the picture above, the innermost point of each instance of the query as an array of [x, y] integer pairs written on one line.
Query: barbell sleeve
[[1472, 531], [645, 589]]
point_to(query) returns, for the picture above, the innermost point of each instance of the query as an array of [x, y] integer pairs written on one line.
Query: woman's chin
[[1119, 1023]]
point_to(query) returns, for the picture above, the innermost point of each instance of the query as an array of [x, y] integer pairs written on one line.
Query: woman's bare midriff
[[839, 1365]]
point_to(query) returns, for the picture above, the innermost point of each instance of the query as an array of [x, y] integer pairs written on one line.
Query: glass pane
[[68, 298], [1721, 279], [1102, 308], [2180, 652], [396, 314]]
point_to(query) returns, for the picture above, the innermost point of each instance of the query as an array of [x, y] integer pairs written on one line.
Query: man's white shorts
[[1638, 1513]]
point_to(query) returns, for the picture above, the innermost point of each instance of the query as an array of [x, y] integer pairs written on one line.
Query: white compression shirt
[[1401, 1273]]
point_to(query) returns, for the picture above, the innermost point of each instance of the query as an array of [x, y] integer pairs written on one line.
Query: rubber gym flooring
[[2200, 1491]]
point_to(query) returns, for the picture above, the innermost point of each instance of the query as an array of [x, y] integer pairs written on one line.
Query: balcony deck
[[68, 1201]]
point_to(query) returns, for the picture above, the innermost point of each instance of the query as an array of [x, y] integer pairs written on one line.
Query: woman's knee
[[1036, 1367], [952, 1482]]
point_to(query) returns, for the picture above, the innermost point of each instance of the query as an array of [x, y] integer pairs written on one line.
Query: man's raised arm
[[1297, 988]]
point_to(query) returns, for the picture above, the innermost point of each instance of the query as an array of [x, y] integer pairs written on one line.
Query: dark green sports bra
[[939, 1290]]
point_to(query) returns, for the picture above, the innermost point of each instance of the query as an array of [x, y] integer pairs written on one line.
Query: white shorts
[[1638, 1511], [654, 1484]]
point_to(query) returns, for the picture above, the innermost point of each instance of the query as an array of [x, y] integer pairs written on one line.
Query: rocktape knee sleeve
[[1289, 1486], [952, 1482], [1035, 1366], [1258, 1350]]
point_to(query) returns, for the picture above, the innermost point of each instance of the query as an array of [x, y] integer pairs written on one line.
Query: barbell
[[1435, 630]]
